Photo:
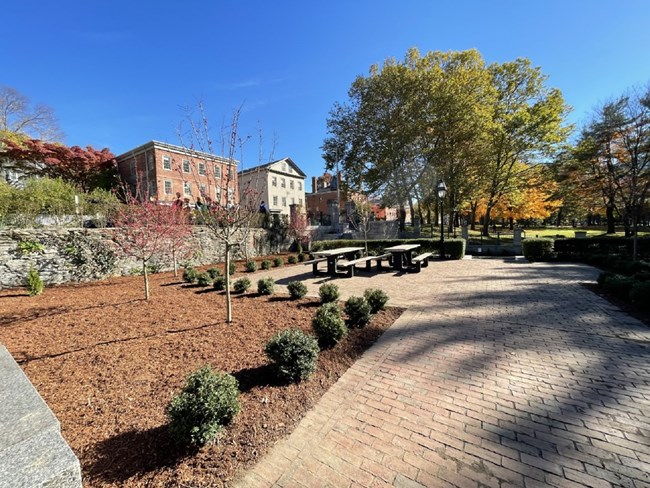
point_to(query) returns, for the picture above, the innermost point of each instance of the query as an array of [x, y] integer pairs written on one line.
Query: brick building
[[162, 170]]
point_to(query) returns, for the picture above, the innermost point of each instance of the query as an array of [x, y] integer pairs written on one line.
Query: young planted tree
[[363, 215], [146, 230], [230, 215], [299, 230]]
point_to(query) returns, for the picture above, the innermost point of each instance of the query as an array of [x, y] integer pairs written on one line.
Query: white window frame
[[275, 200], [291, 184], [203, 190], [189, 168], [187, 188], [201, 169], [300, 185], [151, 188], [217, 171], [167, 163], [274, 181], [284, 201], [283, 183], [217, 193], [300, 201], [168, 184]]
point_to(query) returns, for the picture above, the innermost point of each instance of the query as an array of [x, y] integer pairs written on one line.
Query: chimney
[[313, 184]]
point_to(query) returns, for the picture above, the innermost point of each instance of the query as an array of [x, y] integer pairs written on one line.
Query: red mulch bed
[[107, 363]]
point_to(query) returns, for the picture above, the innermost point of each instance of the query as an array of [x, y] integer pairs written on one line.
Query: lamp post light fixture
[[442, 191]]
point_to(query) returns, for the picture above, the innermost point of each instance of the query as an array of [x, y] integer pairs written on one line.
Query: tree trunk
[[402, 218], [611, 228], [146, 280], [486, 221], [227, 273], [175, 263]]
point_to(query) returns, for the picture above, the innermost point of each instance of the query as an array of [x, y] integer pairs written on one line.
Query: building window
[[300, 185], [217, 171], [275, 201], [284, 167], [187, 188], [186, 165], [203, 190], [168, 187], [231, 175], [291, 184], [274, 181], [284, 201], [293, 201], [231, 195], [300, 201], [167, 162], [283, 183], [202, 169], [132, 167], [152, 188], [217, 193]]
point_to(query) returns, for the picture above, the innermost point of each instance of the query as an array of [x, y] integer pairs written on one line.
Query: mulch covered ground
[[107, 363]]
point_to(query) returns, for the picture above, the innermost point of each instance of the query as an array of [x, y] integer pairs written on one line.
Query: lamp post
[[442, 191]]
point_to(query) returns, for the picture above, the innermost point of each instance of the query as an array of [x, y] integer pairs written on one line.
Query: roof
[[173, 148], [267, 166]]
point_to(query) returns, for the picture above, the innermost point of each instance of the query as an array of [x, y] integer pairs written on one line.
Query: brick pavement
[[500, 373]]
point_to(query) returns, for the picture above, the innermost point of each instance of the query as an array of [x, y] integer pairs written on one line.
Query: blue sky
[[117, 73]]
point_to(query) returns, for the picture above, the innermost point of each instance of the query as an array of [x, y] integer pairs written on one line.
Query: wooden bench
[[314, 262], [351, 265], [421, 261], [388, 257]]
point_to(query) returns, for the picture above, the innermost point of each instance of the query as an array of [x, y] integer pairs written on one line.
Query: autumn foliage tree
[[146, 230], [87, 168]]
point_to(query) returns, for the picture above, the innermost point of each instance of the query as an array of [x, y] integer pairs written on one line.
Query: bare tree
[[19, 116]]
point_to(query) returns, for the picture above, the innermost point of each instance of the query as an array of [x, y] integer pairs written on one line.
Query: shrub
[[190, 275], [28, 247], [208, 401], [376, 298], [292, 259], [34, 282], [266, 264], [618, 285], [294, 354], [232, 268], [265, 286], [277, 262], [297, 289], [455, 248], [213, 272], [329, 325], [537, 249], [301, 257], [358, 312], [250, 266], [640, 294], [219, 283], [203, 279], [604, 276], [241, 285], [328, 293]]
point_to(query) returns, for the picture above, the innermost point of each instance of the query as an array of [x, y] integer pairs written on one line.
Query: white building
[[279, 184]]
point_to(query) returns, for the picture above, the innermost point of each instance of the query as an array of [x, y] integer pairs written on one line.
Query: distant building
[[162, 170], [278, 184]]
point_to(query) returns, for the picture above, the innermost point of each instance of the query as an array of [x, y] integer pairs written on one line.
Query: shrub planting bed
[[108, 364]]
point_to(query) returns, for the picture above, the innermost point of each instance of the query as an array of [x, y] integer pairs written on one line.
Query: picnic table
[[332, 256], [402, 255]]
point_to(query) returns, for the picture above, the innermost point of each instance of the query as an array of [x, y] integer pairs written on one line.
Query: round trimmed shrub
[[297, 289], [294, 354], [190, 274], [208, 401], [251, 266], [328, 293], [232, 268], [329, 325], [301, 257], [376, 298], [266, 264], [203, 279], [292, 259], [241, 285], [640, 294], [219, 283], [277, 261], [213, 272], [358, 312], [265, 286]]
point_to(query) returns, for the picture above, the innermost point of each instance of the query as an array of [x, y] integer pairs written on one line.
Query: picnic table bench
[[314, 262], [421, 261]]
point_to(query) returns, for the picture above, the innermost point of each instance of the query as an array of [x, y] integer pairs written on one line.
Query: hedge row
[[581, 249], [454, 248]]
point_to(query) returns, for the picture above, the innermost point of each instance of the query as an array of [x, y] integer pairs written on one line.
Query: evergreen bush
[[213, 272], [203, 279], [266, 264], [294, 354], [190, 274], [297, 289], [328, 293], [277, 261], [329, 325], [251, 266], [537, 249], [241, 285], [292, 259], [618, 285], [34, 282], [301, 257], [640, 294], [358, 312], [232, 268], [208, 401], [219, 283], [376, 298], [265, 286]]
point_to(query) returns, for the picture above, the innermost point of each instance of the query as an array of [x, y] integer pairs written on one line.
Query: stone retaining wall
[[70, 254]]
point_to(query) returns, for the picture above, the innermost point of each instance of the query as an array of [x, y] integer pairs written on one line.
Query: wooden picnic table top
[[336, 252], [402, 247]]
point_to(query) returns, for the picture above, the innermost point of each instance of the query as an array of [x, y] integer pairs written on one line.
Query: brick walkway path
[[499, 374]]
